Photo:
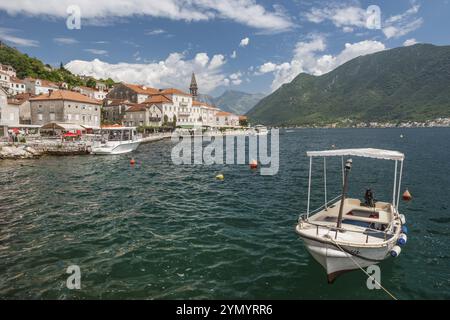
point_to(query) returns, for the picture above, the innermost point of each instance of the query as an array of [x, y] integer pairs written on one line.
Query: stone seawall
[[36, 149]]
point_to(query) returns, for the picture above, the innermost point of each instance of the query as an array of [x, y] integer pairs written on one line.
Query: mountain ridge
[[405, 83]]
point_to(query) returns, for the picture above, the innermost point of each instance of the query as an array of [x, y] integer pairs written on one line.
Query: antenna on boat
[[348, 167]]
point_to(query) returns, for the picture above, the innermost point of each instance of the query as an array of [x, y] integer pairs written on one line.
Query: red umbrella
[[69, 134], [15, 130]]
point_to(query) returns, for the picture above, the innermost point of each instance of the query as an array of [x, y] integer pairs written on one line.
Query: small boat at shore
[[116, 140], [346, 233]]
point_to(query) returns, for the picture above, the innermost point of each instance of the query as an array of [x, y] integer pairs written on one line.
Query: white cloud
[[410, 42], [201, 59], [7, 35], [174, 71], [155, 32], [340, 15], [216, 62], [102, 12], [233, 55], [97, 51], [244, 42], [65, 41], [307, 58], [267, 67], [349, 17], [402, 24], [235, 78]]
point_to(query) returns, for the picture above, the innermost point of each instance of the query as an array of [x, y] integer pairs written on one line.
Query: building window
[[52, 116], [40, 116]]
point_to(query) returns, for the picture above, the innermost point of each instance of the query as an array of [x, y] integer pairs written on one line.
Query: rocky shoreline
[[18, 152]]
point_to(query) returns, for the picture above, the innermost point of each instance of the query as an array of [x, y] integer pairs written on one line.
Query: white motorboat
[[346, 234], [116, 140]]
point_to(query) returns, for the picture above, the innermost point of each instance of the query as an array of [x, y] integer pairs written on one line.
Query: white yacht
[[116, 140], [345, 233]]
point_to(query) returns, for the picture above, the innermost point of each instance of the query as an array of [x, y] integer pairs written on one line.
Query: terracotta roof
[[158, 98], [16, 80], [66, 95], [85, 88], [242, 117], [18, 99], [203, 104], [174, 91], [141, 89], [44, 83], [136, 108]]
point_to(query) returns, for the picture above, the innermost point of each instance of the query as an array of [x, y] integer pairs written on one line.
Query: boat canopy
[[360, 152]]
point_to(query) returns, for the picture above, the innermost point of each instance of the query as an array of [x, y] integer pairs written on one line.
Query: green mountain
[[408, 83], [237, 102], [31, 67]]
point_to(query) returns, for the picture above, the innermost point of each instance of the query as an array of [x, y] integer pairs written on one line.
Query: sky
[[247, 45]]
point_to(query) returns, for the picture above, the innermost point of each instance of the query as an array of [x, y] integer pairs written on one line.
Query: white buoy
[[395, 251], [402, 239]]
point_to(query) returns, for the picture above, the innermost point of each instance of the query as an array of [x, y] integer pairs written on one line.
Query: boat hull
[[337, 258], [116, 149]]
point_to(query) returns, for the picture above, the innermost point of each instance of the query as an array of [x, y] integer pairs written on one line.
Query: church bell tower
[[193, 88]]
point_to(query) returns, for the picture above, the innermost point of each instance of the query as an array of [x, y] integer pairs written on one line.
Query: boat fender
[[402, 218], [253, 164], [395, 251], [402, 239], [404, 229]]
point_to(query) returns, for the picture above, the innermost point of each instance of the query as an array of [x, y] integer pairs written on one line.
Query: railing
[[367, 231], [325, 205]]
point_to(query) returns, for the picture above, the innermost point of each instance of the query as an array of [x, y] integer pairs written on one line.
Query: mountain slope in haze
[[408, 83], [237, 102]]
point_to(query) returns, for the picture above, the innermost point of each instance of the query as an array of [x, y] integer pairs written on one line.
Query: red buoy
[[253, 164], [406, 195], [132, 161]]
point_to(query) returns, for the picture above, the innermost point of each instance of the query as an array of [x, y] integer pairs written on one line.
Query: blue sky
[[159, 43]]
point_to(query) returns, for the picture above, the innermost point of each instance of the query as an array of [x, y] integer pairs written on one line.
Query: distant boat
[[346, 234], [116, 140]]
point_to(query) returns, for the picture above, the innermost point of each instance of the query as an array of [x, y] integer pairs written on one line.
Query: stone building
[[65, 106], [131, 92]]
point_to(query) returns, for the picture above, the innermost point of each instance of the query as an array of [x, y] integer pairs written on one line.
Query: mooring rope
[[359, 266]]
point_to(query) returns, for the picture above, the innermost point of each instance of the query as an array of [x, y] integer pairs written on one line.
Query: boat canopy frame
[[359, 152]]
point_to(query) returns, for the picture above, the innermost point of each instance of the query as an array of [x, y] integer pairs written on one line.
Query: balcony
[[184, 113], [154, 119]]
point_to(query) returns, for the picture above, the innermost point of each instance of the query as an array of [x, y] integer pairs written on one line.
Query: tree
[[174, 123], [166, 120], [91, 83], [61, 66]]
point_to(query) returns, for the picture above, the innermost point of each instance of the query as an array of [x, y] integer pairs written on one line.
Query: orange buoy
[[132, 161], [406, 195], [253, 164]]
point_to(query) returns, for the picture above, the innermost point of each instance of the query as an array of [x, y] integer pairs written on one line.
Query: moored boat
[[116, 140], [346, 233]]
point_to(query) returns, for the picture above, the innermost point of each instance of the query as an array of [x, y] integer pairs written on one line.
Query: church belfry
[[193, 87]]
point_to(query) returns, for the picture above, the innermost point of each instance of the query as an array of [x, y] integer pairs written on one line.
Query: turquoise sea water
[[161, 231]]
